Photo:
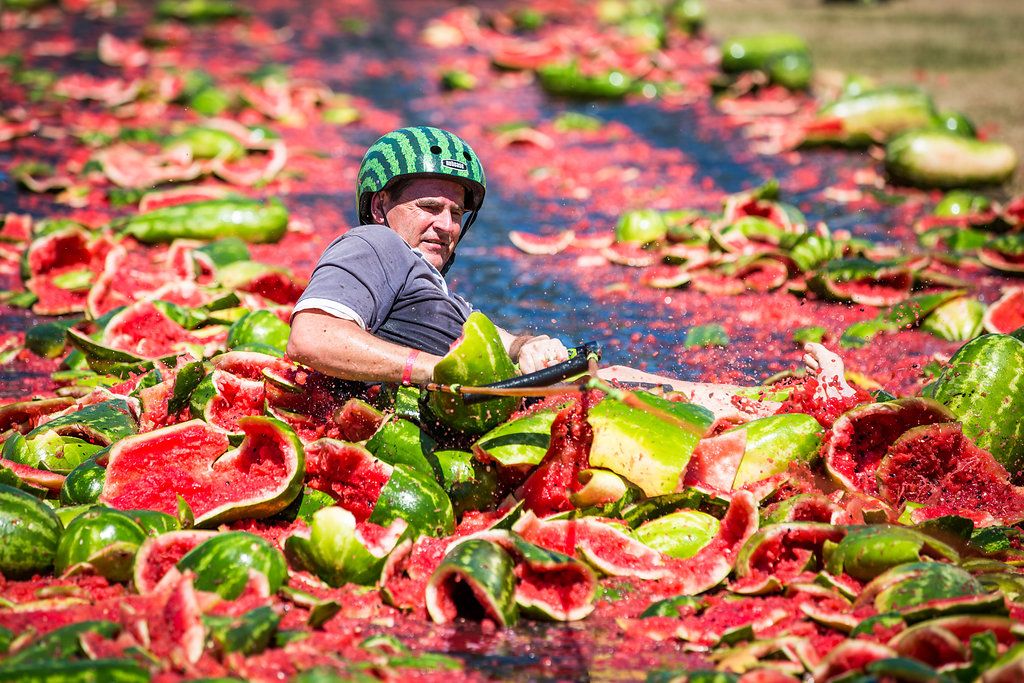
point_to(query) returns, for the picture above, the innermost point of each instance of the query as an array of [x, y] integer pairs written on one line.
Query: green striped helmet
[[420, 151]]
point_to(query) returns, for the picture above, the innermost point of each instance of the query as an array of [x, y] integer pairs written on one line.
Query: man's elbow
[[298, 348]]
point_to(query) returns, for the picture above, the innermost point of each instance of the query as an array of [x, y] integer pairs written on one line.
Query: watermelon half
[[861, 437], [257, 479]]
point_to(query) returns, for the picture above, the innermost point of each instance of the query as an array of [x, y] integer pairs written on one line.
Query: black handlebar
[[579, 359]]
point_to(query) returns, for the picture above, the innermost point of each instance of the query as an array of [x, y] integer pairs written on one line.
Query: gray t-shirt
[[371, 276]]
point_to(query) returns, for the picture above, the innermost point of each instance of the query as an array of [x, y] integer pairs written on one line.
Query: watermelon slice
[[861, 437], [538, 245], [347, 472], [159, 554], [938, 466], [258, 479], [476, 358], [1007, 314], [864, 282]]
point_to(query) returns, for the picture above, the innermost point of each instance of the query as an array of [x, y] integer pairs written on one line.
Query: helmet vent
[[466, 154], [435, 149]]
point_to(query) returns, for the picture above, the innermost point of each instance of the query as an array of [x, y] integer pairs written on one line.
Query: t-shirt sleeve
[[357, 279]]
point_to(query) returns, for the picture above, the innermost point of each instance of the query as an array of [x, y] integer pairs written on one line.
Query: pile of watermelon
[[179, 500]]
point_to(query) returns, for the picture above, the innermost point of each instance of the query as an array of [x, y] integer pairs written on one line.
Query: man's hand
[[540, 352]]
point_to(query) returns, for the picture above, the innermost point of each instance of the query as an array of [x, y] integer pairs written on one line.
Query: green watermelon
[[29, 534], [983, 385], [223, 563], [477, 358]]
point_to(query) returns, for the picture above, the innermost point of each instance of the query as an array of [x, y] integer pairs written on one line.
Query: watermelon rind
[[774, 443], [222, 563], [30, 532], [521, 442], [259, 327], [101, 540], [680, 534], [983, 386], [874, 115], [400, 442], [837, 281], [867, 551], [335, 550], [640, 226], [956, 320], [537, 245], [62, 643], [78, 671], [477, 358], [487, 569], [103, 423], [470, 485], [642, 447], [753, 52], [418, 499], [84, 484], [941, 159], [912, 584]]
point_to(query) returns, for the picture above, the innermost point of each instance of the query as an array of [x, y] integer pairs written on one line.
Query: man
[[377, 307]]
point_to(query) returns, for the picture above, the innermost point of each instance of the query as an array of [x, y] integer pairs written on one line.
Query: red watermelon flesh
[[146, 331], [128, 275], [547, 489], [60, 251], [785, 555], [16, 227], [357, 420], [347, 472], [53, 255], [235, 398], [158, 555], [1007, 314], [861, 437], [764, 275], [604, 544], [275, 286], [715, 460], [939, 466], [884, 290], [149, 471], [565, 592]]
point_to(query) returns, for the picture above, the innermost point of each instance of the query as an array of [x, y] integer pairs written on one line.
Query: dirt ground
[[969, 54]]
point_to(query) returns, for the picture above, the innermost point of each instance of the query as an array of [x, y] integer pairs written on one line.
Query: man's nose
[[446, 221]]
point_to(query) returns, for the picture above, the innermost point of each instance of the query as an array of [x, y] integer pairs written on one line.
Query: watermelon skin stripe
[[984, 387], [85, 671], [29, 533], [490, 573]]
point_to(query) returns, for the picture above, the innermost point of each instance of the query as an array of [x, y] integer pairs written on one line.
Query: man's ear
[[377, 208]]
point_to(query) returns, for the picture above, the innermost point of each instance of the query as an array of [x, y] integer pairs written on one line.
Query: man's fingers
[[541, 352]]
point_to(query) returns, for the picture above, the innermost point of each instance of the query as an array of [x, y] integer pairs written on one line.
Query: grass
[[969, 54]]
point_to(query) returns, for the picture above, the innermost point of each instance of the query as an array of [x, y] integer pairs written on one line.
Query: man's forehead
[[439, 188]]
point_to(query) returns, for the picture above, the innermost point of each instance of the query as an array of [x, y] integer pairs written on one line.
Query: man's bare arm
[[342, 349]]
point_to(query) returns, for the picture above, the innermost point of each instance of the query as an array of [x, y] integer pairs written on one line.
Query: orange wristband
[[407, 373]]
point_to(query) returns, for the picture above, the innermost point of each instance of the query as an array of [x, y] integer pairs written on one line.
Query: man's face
[[427, 214]]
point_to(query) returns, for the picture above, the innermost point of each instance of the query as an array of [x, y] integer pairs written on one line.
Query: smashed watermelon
[[192, 460]]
